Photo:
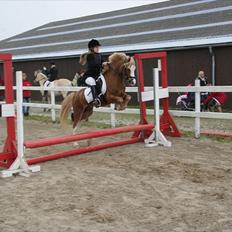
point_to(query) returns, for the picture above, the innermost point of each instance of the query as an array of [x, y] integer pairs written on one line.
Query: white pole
[[197, 110], [53, 103], [112, 116], [156, 102], [20, 131], [157, 137]]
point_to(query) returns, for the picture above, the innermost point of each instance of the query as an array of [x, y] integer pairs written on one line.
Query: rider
[[53, 71], [93, 61]]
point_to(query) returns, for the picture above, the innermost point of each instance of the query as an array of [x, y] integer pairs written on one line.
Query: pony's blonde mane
[[39, 75], [117, 61]]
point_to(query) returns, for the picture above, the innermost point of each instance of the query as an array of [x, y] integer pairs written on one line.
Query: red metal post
[[9, 151], [167, 125]]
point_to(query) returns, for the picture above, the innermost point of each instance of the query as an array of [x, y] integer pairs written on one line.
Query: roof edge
[[166, 45]]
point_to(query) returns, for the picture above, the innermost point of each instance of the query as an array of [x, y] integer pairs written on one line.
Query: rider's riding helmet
[[93, 43]]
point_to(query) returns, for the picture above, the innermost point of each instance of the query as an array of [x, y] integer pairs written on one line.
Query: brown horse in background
[[118, 72]]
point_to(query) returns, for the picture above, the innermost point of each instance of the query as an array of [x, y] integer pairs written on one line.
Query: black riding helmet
[[93, 43]]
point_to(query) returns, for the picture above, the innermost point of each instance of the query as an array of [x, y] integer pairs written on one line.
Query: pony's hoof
[[119, 108], [89, 142], [76, 144]]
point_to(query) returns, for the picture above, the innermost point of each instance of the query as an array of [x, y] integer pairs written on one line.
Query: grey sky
[[18, 16]]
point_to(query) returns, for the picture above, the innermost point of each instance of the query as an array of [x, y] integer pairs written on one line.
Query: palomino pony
[[44, 82], [118, 72]]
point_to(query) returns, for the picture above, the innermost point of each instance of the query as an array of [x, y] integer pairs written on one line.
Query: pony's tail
[[65, 109]]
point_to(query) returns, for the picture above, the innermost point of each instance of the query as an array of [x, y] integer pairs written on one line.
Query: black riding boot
[[96, 101]]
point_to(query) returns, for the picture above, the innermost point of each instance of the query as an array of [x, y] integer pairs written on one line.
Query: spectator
[[203, 82], [53, 72], [26, 95], [203, 79], [2, 93]]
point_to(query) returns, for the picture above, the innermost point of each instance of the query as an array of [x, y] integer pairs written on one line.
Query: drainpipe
[[212, 64]]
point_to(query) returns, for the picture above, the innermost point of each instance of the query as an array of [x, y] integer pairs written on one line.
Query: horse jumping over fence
[[44, 82], [118, 72]]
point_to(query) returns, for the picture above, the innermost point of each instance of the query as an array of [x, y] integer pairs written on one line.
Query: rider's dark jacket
[[53, 73], [203, 82], [93, 65]]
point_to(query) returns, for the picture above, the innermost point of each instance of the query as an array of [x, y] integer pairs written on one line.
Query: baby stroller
[[186, 101], [214, 101]]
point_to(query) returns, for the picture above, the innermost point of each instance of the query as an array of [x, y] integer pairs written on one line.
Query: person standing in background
[[26, 95], [203, 82]]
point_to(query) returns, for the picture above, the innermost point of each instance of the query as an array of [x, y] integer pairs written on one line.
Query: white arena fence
[[197, 114]]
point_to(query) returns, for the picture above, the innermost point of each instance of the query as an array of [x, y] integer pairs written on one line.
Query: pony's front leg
[[126, 99], [75, 130], [114, 99], [43, 99], [123, 105], [49, 101]]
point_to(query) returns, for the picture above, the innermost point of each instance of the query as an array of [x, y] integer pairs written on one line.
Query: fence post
[[112, 115], [20, 129], [53, 102], [197, 110], [19, 165]]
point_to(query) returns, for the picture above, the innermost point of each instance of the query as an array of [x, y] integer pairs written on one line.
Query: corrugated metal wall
[[183, 67]]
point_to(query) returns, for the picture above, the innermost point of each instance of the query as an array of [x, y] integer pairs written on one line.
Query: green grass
[[39, 118], [102, 121]]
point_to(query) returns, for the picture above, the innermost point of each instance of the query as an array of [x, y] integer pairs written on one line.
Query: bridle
[[128, 79], [122, 72], [41, 78]]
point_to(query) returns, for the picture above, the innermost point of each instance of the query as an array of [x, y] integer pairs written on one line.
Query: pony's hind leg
[[86, 114], [123, 105], [77, 116], [75, 130]]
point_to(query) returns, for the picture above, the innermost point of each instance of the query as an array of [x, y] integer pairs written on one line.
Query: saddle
[[100, 89]]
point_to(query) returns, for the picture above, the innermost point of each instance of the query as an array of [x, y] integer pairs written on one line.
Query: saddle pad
[[88, 93]]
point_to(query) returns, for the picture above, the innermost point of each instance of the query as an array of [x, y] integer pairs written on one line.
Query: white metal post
[[156, 102], [19, 165], [197, 110], [157, 137], [19, 109], [112, 115]]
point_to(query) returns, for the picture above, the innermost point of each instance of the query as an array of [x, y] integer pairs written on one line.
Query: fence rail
[[172, 89]]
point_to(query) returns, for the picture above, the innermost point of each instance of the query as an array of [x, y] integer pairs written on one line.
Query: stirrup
[[97, 102]]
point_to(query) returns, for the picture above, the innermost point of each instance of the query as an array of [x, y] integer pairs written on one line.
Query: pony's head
[[39, 76], [123, 65]]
